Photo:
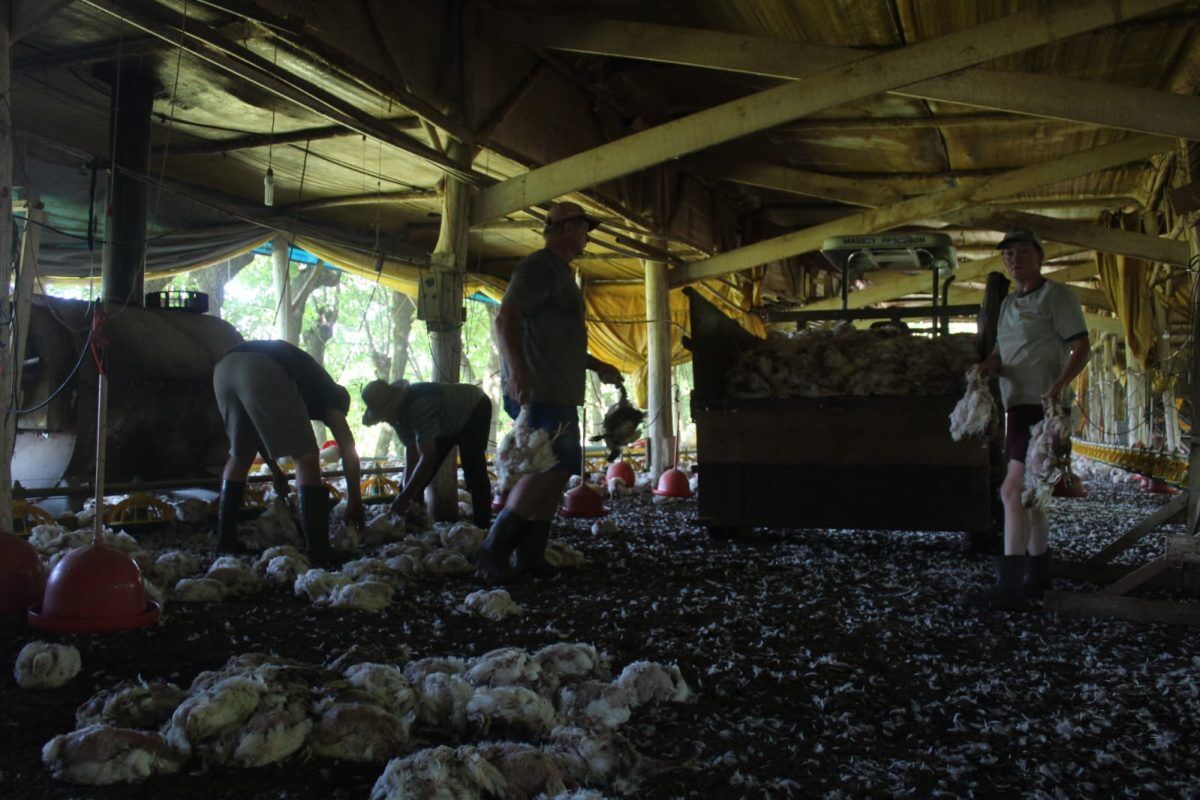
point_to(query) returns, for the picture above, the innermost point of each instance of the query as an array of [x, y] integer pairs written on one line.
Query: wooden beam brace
[[1137, 577], [370, 199], [205, 43], [801, 182], [1131, 608], [832, 87], [1094, 237], [1165, 513], [1041, 95], [90, 54], [930, 206], [27, 15], [253, 140]]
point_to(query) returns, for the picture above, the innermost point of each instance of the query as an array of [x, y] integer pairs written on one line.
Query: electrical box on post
[[440, 297]]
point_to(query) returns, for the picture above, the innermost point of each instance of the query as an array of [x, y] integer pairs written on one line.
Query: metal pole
[[101, 425]]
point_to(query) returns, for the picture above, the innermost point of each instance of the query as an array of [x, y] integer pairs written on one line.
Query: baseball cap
[[1021, 235]]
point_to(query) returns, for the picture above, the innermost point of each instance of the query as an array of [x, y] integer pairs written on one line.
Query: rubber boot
[[1037, 580], [314, 524], [492, 558], [228, 509], [1007, 594], [531, 552]]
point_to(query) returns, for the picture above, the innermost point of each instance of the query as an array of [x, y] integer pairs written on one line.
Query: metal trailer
[[884, 463]]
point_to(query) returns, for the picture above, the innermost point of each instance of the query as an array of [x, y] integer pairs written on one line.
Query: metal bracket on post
[[440, 293]]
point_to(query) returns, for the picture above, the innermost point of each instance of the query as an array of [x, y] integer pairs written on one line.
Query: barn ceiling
[[726, 129]]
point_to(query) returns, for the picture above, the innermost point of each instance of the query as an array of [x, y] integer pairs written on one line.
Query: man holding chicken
[[542, 337]]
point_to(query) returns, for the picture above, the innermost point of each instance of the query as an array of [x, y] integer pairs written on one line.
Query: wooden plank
[[1093, 237], [27, 15], [1165, 513], [1138, 576], [1131, 608], [1182, 549], [932, 205], [1042, 95], [835, 86]]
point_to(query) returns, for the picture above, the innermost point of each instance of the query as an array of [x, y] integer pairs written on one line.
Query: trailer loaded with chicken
[[840, 428]]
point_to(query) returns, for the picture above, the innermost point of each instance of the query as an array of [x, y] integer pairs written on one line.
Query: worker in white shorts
[[1041, 345]]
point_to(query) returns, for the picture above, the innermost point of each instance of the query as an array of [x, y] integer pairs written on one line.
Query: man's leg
[[1037, 581], [1007, 592], [314, 507], [531, 551], [233, 492], [527, 499], [472, 450]]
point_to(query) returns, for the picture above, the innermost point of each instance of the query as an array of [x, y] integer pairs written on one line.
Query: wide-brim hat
[[592, 222], [382, 400], [1021, 235]]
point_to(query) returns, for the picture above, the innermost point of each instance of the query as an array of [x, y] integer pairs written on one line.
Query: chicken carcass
[[571, 661], [358, 732], [524, 450], [387, 685], [975, 414], [528, 770], [493, 604], [438, 773], [131, 704], [513, 706], [99, 755], [592, 757], [212, 712], [504, 666], [318, 583], [198, 590], [622, 425], [369, 595], [595, 704], [42, 665], [648, 681], [1048, 457], [444, 698]]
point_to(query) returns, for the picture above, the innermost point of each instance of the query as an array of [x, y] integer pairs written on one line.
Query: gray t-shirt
[[430, 410], [553, 333], [1034, 336]]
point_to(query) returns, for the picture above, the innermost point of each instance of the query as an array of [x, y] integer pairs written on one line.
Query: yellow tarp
[[1126, 282]]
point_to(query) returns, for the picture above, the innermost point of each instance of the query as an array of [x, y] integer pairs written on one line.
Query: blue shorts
[[551, 417]]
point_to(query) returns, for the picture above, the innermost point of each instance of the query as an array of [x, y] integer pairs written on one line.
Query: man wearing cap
[[431, 419], [268, 391], [1041, 345], [542, 338]]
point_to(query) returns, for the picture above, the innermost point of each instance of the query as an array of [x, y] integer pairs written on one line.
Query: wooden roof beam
[[832, 87], [250, 141], [205, 43], [931, 206], [1094, 237], [1039, 95]]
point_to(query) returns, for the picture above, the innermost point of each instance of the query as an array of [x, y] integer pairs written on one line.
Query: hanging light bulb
[[269, 188]]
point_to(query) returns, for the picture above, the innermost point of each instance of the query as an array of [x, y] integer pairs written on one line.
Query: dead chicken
[[237, 576], [513, 706], [173, 565], [463, 537], [648, 682], [387, 685], [528, 770], [504, 666], [198, 590], [318, 583], [43, 665], [622, 423], [444, 561], [595, 704], [99, 755], [571, 661], [211, 712], [417, 671], [975, 414], [357, 732], [279, 727], [493, 604], [592, 757], [524, 450], [368, 595], [444, 698], [439, 773], [131, 704], [1049, 456]]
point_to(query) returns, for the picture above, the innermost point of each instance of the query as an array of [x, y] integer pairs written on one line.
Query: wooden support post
[[1107, 392], [1135, 402], [1167, 398], [1193, 509], [444, 318], [26, 272], [660, 426], [282, 281], [6, 166]]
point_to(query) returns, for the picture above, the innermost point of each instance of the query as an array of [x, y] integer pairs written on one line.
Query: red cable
[[98, 340]]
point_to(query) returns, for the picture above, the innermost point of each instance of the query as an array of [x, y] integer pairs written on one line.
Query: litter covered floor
[[831, 663]]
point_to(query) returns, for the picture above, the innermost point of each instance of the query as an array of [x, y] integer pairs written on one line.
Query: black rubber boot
[[1037, 580], [314, 524], [531, 552], [492, 558], [1008, 593], [230, 505]]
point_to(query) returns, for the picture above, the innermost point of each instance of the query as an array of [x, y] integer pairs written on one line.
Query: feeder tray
[[379, 489], [140, 512], [27, 516], [94, 589], [582, 501], [22, 575], [622, 470], [673, 483]]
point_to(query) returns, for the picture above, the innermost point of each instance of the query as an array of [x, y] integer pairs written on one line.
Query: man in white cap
[[431, 419], [1041, 345], [542, 337]]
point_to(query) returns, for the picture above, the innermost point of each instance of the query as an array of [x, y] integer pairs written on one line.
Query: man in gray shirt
[[1041, 345], [432, 419], [542, 337]]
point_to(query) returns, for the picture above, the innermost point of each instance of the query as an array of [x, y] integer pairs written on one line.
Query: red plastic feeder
[[582, 501], [622, 470], [673, 483], [22, 575], [1155, 486], [94, 589], [1070, 486]]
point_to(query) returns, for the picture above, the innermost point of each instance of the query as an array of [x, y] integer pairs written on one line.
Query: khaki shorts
[[260, 403]]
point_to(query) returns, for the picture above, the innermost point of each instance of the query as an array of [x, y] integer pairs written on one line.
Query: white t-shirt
[[1034, 336]]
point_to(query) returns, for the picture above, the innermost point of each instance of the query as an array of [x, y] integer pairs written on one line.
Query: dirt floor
[[831, 663]]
